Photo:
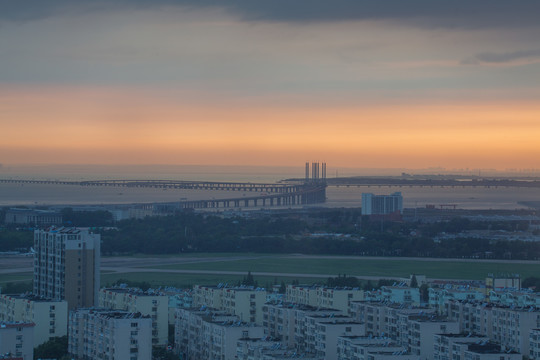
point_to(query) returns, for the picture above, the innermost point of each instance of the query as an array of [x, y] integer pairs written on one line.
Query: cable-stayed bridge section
[[311, 190]]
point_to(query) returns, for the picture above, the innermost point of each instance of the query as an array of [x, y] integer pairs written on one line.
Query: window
[[134, 324]]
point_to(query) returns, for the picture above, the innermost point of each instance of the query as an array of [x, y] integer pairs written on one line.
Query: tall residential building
[[66, 265], [109, 334], [381, 204]]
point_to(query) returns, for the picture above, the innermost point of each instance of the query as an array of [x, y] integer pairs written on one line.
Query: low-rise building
[[302, 294], [489, 351], [421, 330], [211, 334], [359, 347], [438, 297], [453, 346], [338, 298], [401, 295], [109, 334], [33, 217], [244, 301], [534, 344], [49, 316], [511, 326], [16, 340]]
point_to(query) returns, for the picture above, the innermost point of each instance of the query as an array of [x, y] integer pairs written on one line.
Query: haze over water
[[42, 195]]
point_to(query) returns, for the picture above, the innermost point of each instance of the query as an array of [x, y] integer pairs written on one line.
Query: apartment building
[[511, 327], [489, 351], [534, 344], [17, 340], [178, 298], [134, 300], [401, 295], [338, 298], [209, 296], [66, 265], [211, 334], [421, 330], [255, 348], [358, 347], [109, 334], [438, 297], [244, 301], [317, 333], [302, 294], [49, 316], [453, 346], [514, 298]]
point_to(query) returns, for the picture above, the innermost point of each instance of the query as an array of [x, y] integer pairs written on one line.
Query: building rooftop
[[31, 297], [15, 324], [133, 291], [488, 348]]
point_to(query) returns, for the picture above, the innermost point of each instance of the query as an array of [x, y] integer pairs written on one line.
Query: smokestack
[[307, 171]]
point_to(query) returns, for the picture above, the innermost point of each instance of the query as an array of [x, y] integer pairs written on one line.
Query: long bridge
[[311, 190]]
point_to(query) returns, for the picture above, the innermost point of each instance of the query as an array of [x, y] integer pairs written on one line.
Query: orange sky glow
[[123, 126]]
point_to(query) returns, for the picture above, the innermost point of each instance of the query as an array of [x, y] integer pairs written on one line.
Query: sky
[[374, 84]]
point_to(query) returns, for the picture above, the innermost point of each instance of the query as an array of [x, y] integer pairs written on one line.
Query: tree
[[414, 282], [161, 353], [282, 288], [424, 293], [249, 280], [55, 348]]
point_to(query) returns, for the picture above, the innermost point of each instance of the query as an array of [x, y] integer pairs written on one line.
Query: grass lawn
[[367, 267], [188, 280], [16, 277]]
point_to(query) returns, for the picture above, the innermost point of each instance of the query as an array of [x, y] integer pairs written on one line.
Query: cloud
[[425, 13], [523, 56]]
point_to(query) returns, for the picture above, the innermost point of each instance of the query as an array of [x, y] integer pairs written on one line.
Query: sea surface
[[44, 195]]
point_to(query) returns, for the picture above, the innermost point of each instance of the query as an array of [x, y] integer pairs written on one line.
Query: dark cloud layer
[[428, 13], [501, 58]]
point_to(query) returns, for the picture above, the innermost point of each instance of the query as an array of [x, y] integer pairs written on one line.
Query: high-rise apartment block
[[381, 204], [66, 265]]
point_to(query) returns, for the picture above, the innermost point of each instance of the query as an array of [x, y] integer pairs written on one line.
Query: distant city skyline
[[359, 84]]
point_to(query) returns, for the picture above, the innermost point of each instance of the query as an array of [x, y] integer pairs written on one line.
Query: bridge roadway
[[396, 181], [173, 184], [275, 194]]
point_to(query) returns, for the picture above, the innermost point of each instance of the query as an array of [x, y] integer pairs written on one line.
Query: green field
[[289, 265], [18, 277], [367, 267]]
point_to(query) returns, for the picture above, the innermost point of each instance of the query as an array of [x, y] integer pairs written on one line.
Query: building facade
[[49, 316], [16, 340], [66, 265], [109, 334], [153, 304], [382, 204]]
